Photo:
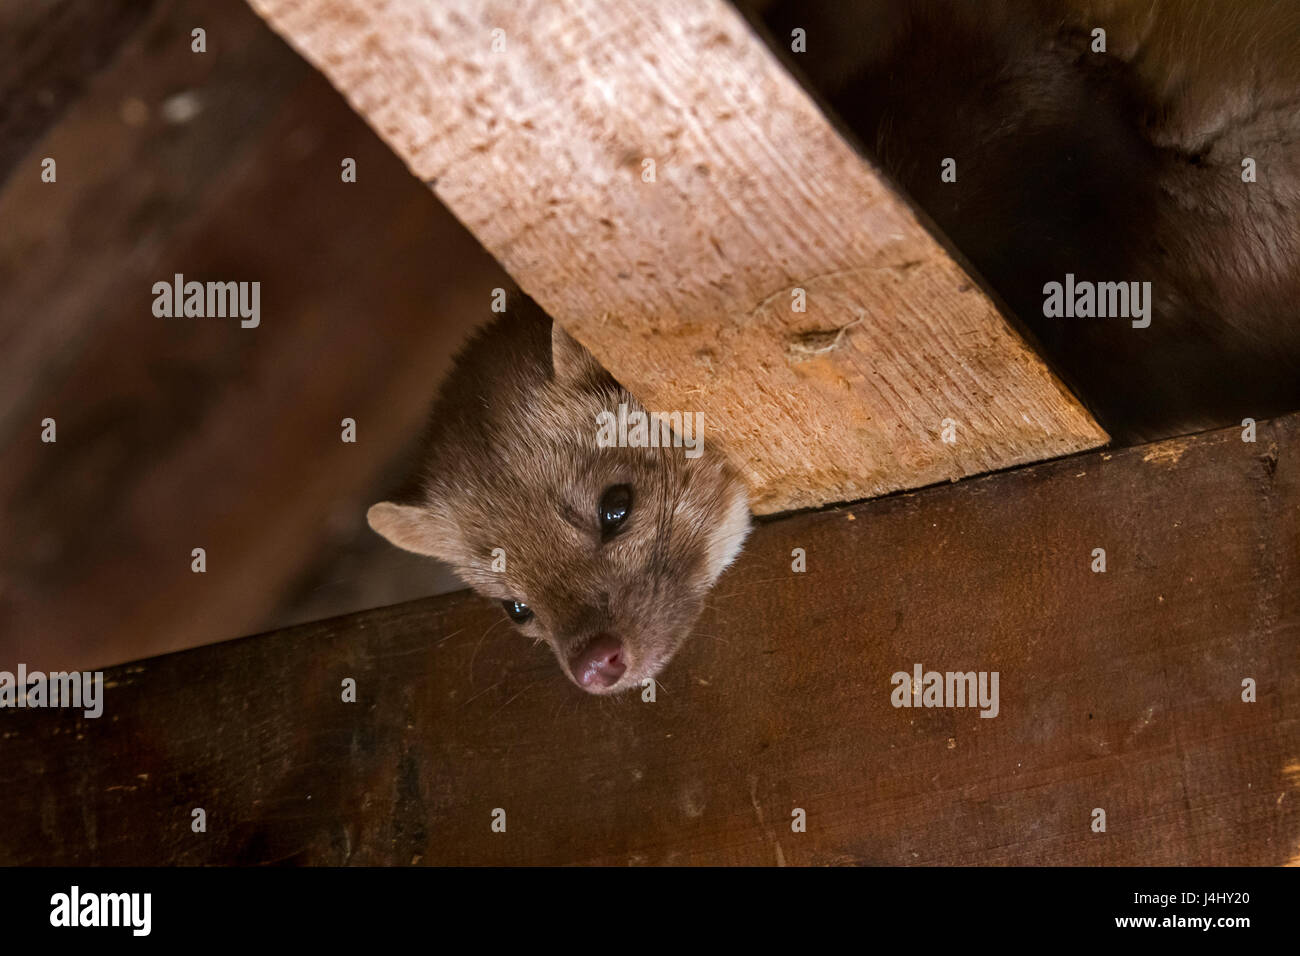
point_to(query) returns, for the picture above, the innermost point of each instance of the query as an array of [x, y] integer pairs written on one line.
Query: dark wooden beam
[[1119, 690]]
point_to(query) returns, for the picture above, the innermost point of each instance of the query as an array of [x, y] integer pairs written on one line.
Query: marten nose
[[600, 663]]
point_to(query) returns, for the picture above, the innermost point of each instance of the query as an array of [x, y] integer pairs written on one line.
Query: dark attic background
[[179, 434], [197, 433]]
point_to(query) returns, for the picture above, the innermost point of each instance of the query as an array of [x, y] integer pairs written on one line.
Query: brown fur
[[513, 463]]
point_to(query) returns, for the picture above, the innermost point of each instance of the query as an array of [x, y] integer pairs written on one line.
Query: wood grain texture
[[1119, 690], [683, 287]]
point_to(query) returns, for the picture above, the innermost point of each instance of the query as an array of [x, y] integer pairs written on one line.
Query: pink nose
[[600, 663]]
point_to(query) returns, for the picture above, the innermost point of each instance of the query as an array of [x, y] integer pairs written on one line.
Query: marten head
[[604, 551]]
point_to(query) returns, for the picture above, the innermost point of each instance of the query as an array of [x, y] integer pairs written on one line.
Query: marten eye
[[518, 611], [615, 506]]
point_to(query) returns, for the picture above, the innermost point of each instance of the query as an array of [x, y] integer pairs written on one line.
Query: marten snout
[[599, 664]]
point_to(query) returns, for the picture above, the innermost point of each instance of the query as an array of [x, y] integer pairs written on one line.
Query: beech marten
[[605, 552]]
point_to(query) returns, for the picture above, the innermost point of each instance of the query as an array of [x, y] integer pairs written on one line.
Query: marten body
[[1119, 166]]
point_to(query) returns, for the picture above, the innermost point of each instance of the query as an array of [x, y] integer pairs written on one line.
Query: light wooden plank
[[683, 287]]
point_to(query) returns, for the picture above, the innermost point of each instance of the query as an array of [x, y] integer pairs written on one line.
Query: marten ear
[[414, 528], [572, 363]]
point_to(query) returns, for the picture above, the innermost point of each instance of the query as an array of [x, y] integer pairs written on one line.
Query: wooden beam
[[684, 287], [1119, 690]]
